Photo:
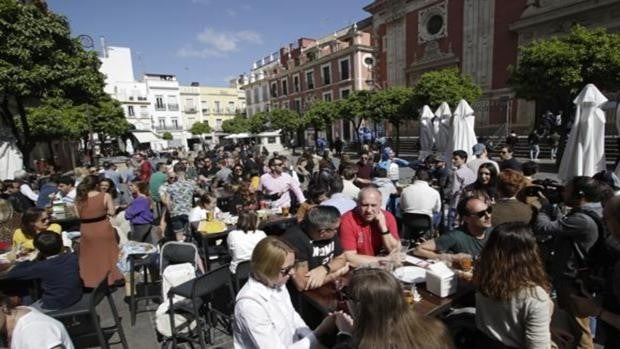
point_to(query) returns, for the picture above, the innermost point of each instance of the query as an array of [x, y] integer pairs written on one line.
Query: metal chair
[[90, 330], [145, 290], [201, 294], [241, 275], [416, 226]]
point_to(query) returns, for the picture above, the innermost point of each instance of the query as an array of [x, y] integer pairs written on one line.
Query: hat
[[478, 149]]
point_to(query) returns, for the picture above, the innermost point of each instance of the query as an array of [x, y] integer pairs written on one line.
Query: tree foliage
[[394, 105], [286, 120], [39, 60], [167, 136], [557, 68], [199, 128], [356, 108], [321, 114], [445, 85], [238, 124]]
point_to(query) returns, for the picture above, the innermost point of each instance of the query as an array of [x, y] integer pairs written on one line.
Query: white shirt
[[198, 214], [69, 199], [340, 201], [36, 330], [421, 198], [350, 190], [241, 245], [475, 163], [265, 318], [27, 192]]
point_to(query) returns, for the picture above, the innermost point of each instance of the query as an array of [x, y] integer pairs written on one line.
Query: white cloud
[[246, 7], [231, 12], [201, 2], [189, 51], [225, 42]]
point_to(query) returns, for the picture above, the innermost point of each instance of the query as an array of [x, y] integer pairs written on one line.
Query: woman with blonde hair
[[264, 314], [381, 318], [513, 306]]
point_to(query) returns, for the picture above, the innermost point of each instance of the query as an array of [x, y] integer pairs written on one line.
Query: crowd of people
[[529, 253]]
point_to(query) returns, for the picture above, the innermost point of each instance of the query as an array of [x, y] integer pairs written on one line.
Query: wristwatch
[[385, 232], [329, 270]]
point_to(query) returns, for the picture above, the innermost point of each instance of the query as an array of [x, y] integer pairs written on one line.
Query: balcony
[[160, 107], [173, 107], [190, 110], [168, 128], [142, 98]]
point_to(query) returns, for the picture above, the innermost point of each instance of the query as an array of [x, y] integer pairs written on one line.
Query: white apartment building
[[257, 89], [191, 111], [164, 94]]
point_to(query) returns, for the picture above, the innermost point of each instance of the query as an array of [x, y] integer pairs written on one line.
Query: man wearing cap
[[481, 157]]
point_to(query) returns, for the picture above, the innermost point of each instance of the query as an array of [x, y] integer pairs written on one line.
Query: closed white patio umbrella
[[584, 154], [427, 132], [129, 146], [463, 136], [442, 122]]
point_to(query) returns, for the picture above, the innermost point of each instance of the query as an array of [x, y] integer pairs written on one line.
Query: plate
[[410, 274]]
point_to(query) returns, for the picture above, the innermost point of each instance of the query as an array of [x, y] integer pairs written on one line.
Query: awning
[[145, 136], [238, 135]]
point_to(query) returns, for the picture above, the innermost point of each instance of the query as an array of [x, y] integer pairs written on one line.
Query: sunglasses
[[482, 213], [284, 271]]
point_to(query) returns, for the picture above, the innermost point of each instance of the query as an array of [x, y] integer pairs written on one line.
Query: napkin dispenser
[[441, 280]]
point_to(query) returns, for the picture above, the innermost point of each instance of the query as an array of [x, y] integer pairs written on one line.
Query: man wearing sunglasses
[[277, 184], [467, 240]]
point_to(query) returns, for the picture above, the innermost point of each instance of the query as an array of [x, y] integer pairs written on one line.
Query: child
[[59, 273]]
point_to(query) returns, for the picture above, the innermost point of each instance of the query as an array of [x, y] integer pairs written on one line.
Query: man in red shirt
[[365, 230], [145, 168]]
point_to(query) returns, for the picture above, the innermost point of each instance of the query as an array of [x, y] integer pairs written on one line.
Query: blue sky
[[209, 41]]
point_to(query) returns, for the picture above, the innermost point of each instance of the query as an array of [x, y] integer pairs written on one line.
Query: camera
[[551, 189]]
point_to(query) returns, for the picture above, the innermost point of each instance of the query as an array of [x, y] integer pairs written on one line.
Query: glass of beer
[[285, 211], [466, 263], [210, 215]]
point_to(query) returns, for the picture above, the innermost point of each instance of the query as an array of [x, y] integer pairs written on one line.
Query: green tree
[[356, 108], [554, 70], [199, 128], [167, 136], [39, 60], [445, 85], [258, 122], [321, 115], [238, 124], [395, 105]]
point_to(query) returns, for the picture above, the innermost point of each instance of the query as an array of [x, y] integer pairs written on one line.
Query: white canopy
[[427, 132], [463, 136], [584, 154], [145, 136], [10, 159], [441, 125], [238, 136], [129, 146]]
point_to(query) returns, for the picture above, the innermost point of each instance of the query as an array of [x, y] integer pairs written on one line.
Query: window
[[255, 96], [159, 103], [298, 105], [248, 96], [327, 96], [175, 123], [274, 90], [265, 93], [310, 80], [284, 87], [344, 69], [345, 93], [296, 83], [217, 107], [162, 123], [326, 72], [218, 124], [231, 107], [130, 111]]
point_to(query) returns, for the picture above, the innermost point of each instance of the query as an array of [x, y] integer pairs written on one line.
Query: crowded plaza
[[401, 174]]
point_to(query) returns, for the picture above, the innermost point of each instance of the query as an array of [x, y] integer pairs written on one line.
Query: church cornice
[[537, 16]]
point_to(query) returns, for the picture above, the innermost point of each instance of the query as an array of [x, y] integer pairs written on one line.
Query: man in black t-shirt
[[318, 253]]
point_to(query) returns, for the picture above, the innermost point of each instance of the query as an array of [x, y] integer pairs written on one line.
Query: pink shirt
[[363, 237], [269, 184]]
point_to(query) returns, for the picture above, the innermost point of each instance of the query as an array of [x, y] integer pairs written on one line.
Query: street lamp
[[88, 43]]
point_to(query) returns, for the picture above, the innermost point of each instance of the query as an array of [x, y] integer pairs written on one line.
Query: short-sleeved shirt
[[307, 250], [458, 241], [36, 331], [181, 195], [145, 171], [364, 237], [20, 239]]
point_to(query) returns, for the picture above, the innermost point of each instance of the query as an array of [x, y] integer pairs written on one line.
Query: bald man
[[586, 306], [367, 229]]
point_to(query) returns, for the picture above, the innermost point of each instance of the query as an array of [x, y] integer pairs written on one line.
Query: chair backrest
[[177, 252], [242, 274], [99, 293], [417, 220], [212, 281]]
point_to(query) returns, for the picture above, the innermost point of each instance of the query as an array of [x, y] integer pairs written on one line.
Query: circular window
[[434, 24], [369, 61]]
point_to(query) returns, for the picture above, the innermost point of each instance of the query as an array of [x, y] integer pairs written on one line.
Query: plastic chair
[[197, 291], [86, 309]]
